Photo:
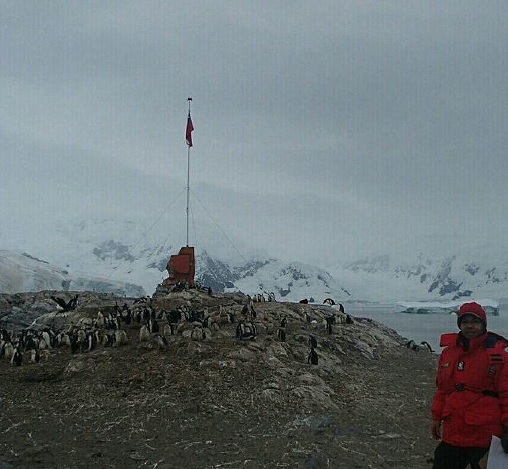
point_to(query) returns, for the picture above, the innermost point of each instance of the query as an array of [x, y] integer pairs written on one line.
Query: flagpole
[[188, 175]]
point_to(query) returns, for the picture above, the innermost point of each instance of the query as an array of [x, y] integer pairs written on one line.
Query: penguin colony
[[156, 327]]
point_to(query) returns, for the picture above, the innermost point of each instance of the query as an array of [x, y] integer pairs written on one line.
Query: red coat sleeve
[[503, 390], [439, 398]]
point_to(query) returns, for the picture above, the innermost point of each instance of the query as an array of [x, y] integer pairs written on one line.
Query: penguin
[[174, 316], [100, 320], [45, 341], [75, 345], [144, 334], [246, 330], [8, 350], [312, 341], [121, 338], [281, 334], [411, 345], [81, 339], [35, 356], [162, 343], [313, 357], [90, 342], [73, 303], [330, 320], [66, 306], [30, 344], [427, 346], [153, 326], [63, 339], [126, 316], [4, 335], [17, 357], [197, 333]]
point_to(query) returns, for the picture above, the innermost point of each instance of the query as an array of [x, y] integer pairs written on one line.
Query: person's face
[[471, 326]]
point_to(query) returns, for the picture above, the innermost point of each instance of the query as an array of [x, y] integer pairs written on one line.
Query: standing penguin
[[144, 334], [162, 342], [281, 333], [313, 357], [330, 320], [35, 356], [17, 357], [312, 341]]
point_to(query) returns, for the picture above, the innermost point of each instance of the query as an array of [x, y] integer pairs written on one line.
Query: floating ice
[[450, 307]]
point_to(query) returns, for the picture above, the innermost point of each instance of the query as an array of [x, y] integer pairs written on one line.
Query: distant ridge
[[118, 255], [22, 272]]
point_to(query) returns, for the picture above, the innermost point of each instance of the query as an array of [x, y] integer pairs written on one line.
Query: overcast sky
[[331, 128]]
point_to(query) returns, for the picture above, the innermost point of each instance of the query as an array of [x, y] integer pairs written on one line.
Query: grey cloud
[[382, 121]]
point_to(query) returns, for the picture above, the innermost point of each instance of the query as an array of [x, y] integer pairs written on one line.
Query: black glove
[[504, 440]]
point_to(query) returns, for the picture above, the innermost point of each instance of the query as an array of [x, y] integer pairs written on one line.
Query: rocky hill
[[215, 400]]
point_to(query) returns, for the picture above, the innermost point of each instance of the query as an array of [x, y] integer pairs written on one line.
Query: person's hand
[[504, 440], [436, 431]]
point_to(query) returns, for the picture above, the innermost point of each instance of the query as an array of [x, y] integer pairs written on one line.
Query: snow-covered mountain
[[108, 255], [480, 272], [21, 272]]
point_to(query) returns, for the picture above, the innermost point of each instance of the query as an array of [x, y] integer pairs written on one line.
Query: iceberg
[[449, 307]]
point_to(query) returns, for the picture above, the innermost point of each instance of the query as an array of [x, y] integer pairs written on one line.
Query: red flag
[[188, 132]]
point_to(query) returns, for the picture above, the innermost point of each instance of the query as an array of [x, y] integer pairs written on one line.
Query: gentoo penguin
[[162, 342], [330, 320], [120, 338], [312, 341], [35, 356], [313, 357], [17, 357], [153, 326], [8, 350], [144, 334], [427, 346]]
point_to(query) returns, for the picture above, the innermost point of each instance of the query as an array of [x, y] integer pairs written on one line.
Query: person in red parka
[[471, 402]]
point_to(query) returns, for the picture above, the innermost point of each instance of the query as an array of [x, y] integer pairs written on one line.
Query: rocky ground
[[219, 403]]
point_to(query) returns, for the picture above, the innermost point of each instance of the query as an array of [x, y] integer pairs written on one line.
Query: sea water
[[423, 327]]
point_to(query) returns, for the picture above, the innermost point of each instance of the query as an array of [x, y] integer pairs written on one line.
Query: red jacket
[[472, 395]]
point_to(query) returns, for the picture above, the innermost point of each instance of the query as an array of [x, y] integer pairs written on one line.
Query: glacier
[[450, 307], [124, 255]]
